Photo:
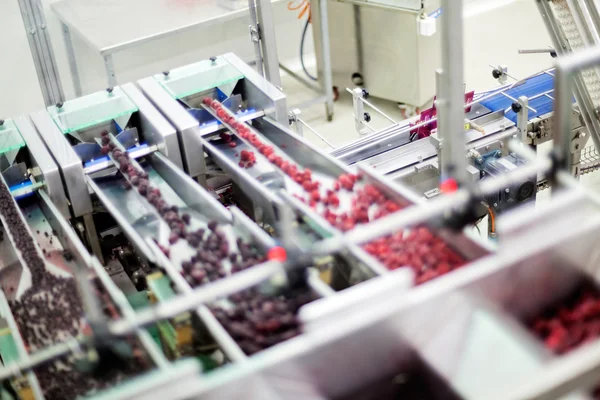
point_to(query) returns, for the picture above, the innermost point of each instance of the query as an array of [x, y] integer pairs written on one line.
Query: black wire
[[302, 51]]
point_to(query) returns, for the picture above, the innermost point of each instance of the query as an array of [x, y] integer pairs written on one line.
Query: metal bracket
[[500, 73], [254, 33], [522, 110], [359, 111], [294, 116]]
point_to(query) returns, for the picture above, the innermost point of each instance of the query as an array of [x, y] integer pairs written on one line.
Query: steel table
[[106, 25]]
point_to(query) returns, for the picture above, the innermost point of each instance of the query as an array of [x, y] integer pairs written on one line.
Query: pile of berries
[[257, 321], [211, 245], [428, 255], [247, 159], [572, 323]]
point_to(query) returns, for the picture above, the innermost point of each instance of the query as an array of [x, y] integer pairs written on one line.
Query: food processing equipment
[[168, 244], [232, 258], [409, 151]]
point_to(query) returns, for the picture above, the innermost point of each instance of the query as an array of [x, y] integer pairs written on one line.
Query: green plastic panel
[[10, 137], [139, 301], [161, 287], [8, 347], [198, 77], [83, 112]]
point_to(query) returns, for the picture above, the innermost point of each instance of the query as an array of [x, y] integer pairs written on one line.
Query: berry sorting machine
[[210, 281], [42, 258], [270, 168], [471, 335]]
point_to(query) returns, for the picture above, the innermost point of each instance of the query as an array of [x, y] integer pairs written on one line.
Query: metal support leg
[[268, 43], [451, 95], [523, 119], [255, 37], [110, 70], [92, 236], [326, 57], [358, 37], [40, 45], [72, 60]]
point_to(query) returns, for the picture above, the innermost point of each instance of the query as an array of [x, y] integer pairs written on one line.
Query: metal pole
[[268, 44], [326, 58], [40, 45], [110, 70], [72, 60], [255, 37], [451, 95]]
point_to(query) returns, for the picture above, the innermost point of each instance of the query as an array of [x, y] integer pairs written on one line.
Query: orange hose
[[492, 220], [303, 6]]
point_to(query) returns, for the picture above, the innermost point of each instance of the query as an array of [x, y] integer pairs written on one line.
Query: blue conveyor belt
[[533, 86]]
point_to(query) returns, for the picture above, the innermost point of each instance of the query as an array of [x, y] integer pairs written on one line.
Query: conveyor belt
[[533, 87]]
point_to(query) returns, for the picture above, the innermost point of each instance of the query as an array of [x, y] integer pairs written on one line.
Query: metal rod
[[366, 124], [255, 37], [327, 142], [451, 94], [367, 102], [541, 95], [110, 70], [205, 294], [516, 101], [326, 72], [536, 51], [72, 60], [268, 43], [358, 35]]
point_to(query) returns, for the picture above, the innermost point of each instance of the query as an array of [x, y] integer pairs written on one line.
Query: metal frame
[[32, 12], [583, 99], [450, 84]]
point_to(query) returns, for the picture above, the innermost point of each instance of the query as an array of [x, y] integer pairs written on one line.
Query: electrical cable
[[302, 50]]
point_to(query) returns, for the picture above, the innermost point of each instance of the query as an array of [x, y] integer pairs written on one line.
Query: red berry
[[315, 196], [225, 137]]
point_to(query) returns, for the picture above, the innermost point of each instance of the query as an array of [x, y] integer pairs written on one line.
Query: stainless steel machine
[[362, 52]]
